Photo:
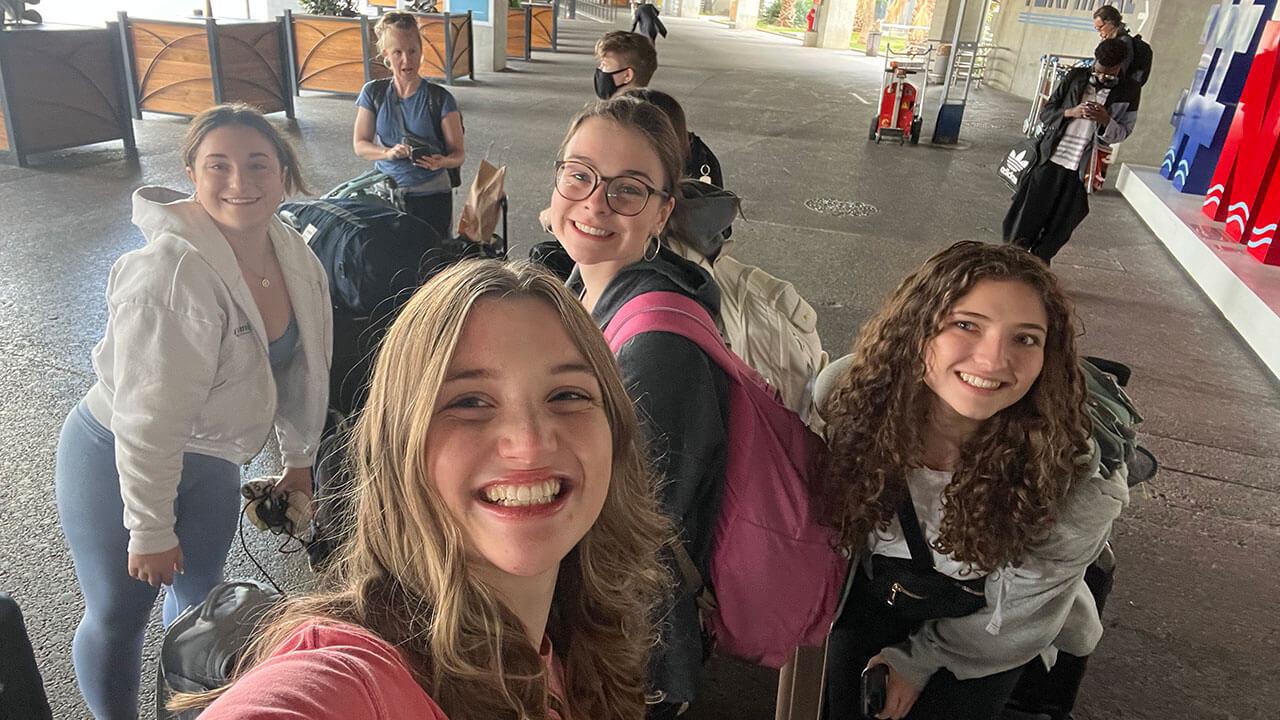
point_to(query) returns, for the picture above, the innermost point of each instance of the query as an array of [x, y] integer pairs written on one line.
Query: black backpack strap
[[435, 108], [921, 556], [378, 93]]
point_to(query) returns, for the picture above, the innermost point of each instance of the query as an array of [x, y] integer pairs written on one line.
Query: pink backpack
[[774, 573]]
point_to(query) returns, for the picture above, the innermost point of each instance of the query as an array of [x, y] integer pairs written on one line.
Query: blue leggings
[[107, 649]]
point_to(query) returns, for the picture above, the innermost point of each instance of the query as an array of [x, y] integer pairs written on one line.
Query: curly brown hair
[[1016, 467]]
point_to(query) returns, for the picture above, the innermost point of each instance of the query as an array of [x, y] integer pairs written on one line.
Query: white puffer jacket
[[183, 364]]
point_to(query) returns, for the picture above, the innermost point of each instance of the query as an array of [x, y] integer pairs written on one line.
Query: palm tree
[[787, 16]]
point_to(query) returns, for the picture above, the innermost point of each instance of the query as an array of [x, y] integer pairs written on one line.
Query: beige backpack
[[772, 328]]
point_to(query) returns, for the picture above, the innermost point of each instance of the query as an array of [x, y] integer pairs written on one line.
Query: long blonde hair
[[404, 573]]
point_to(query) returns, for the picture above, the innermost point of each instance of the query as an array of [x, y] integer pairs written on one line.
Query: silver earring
[[651, 249]]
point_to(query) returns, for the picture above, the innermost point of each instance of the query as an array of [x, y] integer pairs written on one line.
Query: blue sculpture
[[1234, 32]]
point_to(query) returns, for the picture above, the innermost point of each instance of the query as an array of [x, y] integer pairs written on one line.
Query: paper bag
[[480, 214]]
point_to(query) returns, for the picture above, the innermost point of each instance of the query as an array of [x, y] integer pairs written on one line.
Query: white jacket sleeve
[[164, 363], [1028, 605]]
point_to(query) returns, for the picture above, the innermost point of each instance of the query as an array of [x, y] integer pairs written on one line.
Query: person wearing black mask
[[1093, 107], [624, 61]]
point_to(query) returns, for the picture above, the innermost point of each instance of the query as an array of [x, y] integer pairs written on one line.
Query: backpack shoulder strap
[[378, 93], [435, 108], [674, 313], [920, 555]]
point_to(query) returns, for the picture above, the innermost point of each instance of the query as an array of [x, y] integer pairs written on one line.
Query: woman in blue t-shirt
[[395, 127]]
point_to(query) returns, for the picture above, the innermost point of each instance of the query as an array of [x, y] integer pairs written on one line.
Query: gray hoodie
[[1034, 609], [183, 366]]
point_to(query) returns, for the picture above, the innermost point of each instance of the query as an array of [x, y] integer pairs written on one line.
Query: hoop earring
[[651, 248]]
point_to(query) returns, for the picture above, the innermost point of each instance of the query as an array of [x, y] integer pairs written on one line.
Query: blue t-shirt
[[416, 121]]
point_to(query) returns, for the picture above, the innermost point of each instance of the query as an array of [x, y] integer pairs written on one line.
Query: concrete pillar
[[489, 29], [690, 8], [746, 15], [835, 23]]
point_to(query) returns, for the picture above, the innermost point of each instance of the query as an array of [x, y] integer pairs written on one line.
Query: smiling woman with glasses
[[614, 182]]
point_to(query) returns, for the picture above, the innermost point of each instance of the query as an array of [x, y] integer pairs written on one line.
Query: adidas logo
[[1016, 161]]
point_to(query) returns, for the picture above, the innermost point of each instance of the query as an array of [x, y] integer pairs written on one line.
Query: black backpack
[[703, 163], [435, 107], [1140, 66]]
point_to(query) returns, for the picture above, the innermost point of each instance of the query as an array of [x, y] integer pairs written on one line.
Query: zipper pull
[[893, 592]]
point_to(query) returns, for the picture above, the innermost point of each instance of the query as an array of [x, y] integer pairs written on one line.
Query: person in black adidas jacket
[[1091, 106]]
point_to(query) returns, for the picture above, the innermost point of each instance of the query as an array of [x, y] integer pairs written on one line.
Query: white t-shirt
[[1079, 134], [926, 494]]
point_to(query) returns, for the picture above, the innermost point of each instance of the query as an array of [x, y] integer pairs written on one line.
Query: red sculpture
[[1245, 190]]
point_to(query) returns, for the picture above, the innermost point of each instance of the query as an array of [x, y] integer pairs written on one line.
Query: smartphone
[[875, 689], [419, 152]]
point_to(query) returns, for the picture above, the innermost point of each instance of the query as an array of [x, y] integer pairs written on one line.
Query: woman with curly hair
[[504, 561], [964, 404]]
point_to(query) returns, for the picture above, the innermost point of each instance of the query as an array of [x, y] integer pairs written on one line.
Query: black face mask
[[605, 85], [1104, 81]]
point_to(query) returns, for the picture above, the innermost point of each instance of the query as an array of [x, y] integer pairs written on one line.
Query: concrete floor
[[1192, 630]]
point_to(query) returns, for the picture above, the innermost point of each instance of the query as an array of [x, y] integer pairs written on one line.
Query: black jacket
[[1121, 105], [646, 19], [682, 398]]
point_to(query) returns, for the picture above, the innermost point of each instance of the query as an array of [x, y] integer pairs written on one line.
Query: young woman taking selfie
[[504, 558]]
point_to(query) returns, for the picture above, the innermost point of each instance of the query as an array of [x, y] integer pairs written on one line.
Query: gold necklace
[[265, 261]]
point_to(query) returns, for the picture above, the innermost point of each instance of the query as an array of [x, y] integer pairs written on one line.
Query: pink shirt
[[339, 672]]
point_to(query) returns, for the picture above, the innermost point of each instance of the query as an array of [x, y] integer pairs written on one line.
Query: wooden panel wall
[[330, 54], [433, 29], [542, 35], [517, 41], [172, 62], [63, 89], [461, 31], [252, 67], [4, 133]]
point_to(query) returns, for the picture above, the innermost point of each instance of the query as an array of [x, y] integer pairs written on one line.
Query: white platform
[[1246, 291]]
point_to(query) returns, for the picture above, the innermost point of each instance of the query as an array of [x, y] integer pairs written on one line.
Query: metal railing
[[603, 11]]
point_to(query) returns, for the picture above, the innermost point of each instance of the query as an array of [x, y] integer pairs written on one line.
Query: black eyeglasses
[[625, 195]]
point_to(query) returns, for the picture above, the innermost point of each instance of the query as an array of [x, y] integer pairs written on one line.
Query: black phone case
[[875, 688]]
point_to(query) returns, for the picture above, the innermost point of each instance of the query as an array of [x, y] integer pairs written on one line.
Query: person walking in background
[[963, 475], [411, 126], [1109, 24], [647, 22], [218, 329], [504, 557], [1092, 106]]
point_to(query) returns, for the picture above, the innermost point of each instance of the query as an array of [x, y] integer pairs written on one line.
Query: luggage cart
[[901, 107], [1052, 69]]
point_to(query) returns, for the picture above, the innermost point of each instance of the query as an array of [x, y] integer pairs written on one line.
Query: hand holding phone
[[875, 689]]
